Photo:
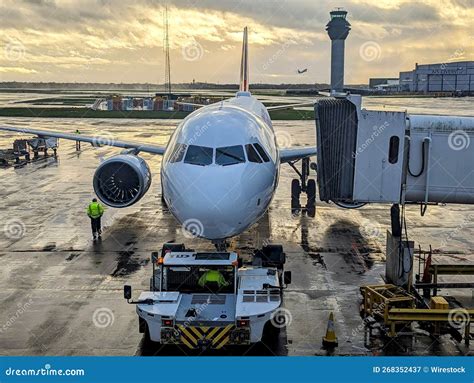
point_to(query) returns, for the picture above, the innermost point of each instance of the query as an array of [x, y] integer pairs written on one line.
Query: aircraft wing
[[296, 153], [190, 103], [96, 141], [290, 106]]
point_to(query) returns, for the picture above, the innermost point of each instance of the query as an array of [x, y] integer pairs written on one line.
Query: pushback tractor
[[210, 300]]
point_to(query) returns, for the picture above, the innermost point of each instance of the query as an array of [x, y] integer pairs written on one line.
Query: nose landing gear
[[303, 185]]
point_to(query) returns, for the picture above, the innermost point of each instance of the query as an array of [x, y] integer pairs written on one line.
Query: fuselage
[[221, 167]]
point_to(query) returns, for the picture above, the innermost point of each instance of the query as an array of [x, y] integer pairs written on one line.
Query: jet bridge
[[367, 156]]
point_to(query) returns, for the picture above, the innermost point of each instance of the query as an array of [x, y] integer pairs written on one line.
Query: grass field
[[43, 112]]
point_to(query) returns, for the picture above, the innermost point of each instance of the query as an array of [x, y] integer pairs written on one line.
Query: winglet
[[244, 65]]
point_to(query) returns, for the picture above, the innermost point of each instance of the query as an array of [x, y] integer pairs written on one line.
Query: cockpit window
[[262, 152], [198, 155], [230, 155], [178, 153], [252, 154]]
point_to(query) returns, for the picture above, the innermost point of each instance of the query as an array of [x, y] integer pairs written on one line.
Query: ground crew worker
[[213, 276], [95, 211], [78, 143]]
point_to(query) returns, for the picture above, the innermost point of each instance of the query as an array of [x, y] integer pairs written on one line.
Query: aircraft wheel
[[295, 194]]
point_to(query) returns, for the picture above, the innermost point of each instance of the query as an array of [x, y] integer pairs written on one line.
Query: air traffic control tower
[[338, 29]]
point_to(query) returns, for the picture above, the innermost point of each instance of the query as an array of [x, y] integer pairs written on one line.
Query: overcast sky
[[122, 41]]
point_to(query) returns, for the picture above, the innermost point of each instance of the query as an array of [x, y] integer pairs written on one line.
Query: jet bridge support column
[[399, 252]]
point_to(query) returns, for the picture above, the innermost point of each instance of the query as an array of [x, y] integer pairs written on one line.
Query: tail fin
[[244, 65]]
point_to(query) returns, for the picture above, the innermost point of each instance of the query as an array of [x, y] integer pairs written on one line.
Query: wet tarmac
[[61, 293]]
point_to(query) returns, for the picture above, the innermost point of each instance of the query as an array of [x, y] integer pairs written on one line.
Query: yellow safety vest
[[212, 276], [95, 210]]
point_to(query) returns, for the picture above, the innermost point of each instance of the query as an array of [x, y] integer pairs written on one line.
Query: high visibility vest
[[95, 210], [212, 276]]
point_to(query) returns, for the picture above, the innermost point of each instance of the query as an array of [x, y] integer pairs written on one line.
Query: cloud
[[20, 70], [114, 41]]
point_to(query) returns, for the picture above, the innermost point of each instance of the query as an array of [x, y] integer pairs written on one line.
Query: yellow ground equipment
[[393, 306], [380, 299]]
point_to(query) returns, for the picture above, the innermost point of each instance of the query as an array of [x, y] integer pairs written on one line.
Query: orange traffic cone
[[330, 340]]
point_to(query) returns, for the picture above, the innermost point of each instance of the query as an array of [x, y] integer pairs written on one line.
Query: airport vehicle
[[241, 309], [220, 168]]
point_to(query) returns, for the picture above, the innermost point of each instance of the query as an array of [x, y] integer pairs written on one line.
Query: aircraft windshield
[[178, 153], [202, 278], [230, 155], [262, 152], [198, 155], [252, 154]]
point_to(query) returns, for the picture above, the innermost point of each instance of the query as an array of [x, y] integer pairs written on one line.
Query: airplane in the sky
[[301, 71], [220, 168]]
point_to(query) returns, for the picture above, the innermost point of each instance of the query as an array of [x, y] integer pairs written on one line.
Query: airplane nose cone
[[212, 208], [213, 203]]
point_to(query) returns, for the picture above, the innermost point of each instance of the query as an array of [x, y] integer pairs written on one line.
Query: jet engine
[[122, 180]]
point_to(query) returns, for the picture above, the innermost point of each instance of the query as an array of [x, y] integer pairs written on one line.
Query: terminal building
[[445, 77], [378, 81], [384, 84]]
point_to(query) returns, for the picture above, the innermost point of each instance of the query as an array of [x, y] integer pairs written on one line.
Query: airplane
[[302, 70], [220, 168]]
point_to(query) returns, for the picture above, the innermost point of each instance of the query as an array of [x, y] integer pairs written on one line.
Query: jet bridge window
[[393, 150], [252, 154], [198, 155], [178, 153], [230, 155]]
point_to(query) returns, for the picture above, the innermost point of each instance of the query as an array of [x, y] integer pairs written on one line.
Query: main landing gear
[[303, 185]]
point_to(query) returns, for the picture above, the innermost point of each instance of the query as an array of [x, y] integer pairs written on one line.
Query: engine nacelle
[[122, 180]]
